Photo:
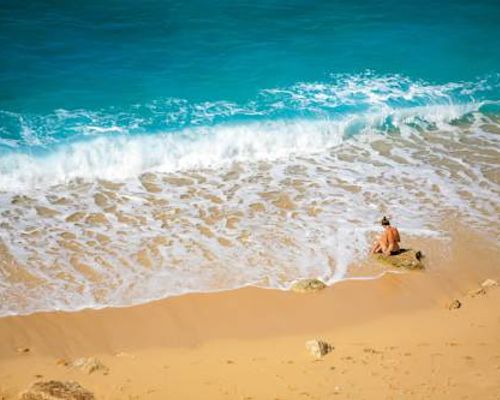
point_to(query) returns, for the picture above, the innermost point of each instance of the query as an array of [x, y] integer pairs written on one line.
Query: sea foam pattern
[[112, 209], [37, 151]]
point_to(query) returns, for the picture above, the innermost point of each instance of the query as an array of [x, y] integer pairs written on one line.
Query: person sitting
[[388, 242]]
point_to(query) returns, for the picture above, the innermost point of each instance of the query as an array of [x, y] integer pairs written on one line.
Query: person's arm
[[388, 250]]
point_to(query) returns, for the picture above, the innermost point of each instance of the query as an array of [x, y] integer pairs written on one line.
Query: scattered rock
[[454, 305], [56, 390], [318, 348], [371, 351], [308, 286], [476, 292], [23, 349], [406, 258], [489, 283], [90, 365]]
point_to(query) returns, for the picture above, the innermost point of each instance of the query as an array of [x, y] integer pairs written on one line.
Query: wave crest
[[175, 135]]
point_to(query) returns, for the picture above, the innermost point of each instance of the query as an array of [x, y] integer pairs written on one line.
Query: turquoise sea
[[149, 66], [170, 119]]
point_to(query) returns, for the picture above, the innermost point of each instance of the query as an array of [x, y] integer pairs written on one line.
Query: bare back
[[393, 235], [391, 239], [388, 241]]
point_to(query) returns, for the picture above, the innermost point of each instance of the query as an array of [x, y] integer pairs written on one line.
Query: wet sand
[[94, 243], [393, 338]]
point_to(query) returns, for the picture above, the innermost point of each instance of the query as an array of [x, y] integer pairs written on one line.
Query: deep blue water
[[94, 54], [74, 69]]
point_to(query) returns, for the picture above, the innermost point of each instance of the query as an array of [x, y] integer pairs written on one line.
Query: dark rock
[[90, 365], [454, 305], [318, 348], [308, 286], [23, 349], [405, 258], [476, 292], [56, 390]]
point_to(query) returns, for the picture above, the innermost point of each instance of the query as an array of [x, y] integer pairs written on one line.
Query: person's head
[[385, 222]]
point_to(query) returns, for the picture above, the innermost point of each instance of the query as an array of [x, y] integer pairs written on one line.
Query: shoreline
[[252, 301], [361, 271], [389, 335], [197, 293], [205, 357]]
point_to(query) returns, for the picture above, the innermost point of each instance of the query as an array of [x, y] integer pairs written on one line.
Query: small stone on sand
[[370, 350], [23, 349], [56, 390], [454, 305], [308, 286], [489, 283], [318, 348], [90, 365], [476, 292]]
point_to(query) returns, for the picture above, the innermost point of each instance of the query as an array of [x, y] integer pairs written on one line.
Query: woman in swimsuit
[[388, 241]]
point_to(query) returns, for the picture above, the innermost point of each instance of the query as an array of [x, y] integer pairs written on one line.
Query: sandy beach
[[394, 337], [171, 172]]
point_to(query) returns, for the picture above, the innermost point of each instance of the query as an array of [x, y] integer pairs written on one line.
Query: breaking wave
[[171, 135], [120, 207]]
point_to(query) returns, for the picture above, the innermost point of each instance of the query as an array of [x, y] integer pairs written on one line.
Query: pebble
[[489, 283], [318, 348], [454, 305], [23, 350]]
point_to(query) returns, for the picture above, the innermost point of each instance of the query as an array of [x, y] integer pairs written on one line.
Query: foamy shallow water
[[170, 147], [241, 218]]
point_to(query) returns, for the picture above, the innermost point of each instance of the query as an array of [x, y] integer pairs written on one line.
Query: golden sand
[[394, 338]]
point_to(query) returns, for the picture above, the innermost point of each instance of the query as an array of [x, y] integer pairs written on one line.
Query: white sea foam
[[316, 214], [122, 156], [232, 203]]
